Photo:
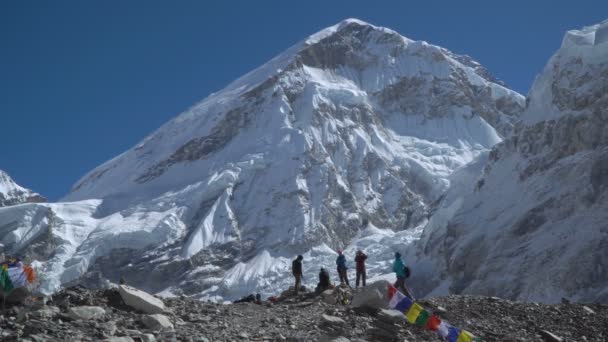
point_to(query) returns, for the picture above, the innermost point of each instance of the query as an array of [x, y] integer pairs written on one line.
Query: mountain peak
[[345, 24], [12, 193]]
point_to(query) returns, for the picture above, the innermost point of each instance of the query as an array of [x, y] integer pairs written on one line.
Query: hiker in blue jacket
[[400, 271], [341, 263]]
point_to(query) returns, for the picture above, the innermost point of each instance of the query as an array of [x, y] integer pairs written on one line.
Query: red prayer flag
[[391, 291], [433, 323]]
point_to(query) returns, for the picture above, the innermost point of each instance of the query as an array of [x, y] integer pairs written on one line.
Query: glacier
[[348, 139]]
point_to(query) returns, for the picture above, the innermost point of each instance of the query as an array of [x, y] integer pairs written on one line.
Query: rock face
[[531, 222], [355, 126], [11, 193]]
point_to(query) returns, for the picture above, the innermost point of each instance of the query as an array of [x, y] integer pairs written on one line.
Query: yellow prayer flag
[[465, 336], [413, 313]]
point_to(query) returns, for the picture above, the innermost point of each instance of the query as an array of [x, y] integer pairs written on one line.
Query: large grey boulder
[[45, 313], [119, 339], [157, 322], [391, 316], [86, 312], [374, 296], [141, 300]]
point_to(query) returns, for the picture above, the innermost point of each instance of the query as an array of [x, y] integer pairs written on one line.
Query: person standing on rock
[[296, 270], [341, 263], [360, 258], [399, 269]]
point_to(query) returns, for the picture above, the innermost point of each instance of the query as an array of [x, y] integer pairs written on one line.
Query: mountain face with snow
[[12, 193], [531, 222], [355, 127]]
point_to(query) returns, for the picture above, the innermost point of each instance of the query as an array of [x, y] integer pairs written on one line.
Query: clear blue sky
[[82, 81]]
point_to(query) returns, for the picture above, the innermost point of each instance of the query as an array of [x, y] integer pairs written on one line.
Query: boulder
[[120, 339], [332, 320], [157, 322], [147, 338], [141, 300], [45, 313], [374, 296], [86, 312], [549, 336], [333, 325], [328, 296], [391, 315], [588, 310]]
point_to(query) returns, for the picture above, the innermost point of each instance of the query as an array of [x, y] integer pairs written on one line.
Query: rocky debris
[[157, 322], [302, 317], [332, 324], [86, 312], [141, 300]]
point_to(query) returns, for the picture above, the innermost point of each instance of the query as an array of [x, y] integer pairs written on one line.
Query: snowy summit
[[353, 138]]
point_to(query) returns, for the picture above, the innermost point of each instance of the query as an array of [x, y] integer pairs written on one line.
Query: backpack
[[407, 271]]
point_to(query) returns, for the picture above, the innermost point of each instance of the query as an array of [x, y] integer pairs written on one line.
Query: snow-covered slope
[[354, 127], [11, 193], [533, 225]]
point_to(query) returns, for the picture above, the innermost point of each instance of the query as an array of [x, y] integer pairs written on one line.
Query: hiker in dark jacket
[[341, 263], [360, 258], [296, 270], [324, 281]]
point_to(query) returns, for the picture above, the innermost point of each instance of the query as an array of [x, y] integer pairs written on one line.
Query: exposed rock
[[372, 296], [47, 312], [588, 310], [147, 338], [549, 337], [120, 339], [141, 300], [392, 316], [332, 320], [328, 296], [157, 322], [86, 312]]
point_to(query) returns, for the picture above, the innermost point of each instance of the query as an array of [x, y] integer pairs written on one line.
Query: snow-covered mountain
[[354, 128], [531, 222], [12, 193]]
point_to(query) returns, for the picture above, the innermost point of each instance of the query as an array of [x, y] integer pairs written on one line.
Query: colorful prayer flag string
[[416, 314]]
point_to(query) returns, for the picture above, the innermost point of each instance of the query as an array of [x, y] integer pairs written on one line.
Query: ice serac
[[12, 193], [354, 127], [532, 224]]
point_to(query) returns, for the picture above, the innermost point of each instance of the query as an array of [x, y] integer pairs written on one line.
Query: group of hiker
[[401, 271]]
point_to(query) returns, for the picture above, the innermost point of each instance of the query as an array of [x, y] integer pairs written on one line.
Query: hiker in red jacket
[[360, 260]]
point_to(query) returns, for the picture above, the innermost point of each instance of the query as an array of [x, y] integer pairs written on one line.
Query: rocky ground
[[78, 314]]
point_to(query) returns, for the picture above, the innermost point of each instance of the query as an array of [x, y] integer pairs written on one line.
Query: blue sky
[[83, 81]]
